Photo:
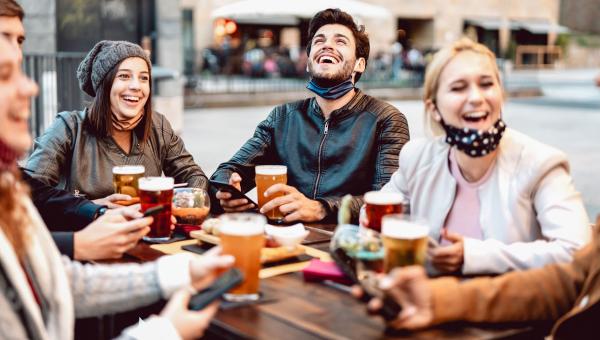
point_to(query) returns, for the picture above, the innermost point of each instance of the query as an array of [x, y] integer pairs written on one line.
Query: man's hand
[[407, 286], [110, 199], [449, 259], [233, 205], [204, 269], [189, 324], [109, 237], [293, 204]]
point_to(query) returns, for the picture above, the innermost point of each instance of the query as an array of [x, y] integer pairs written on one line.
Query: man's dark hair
[[10, 8], [337, 16]]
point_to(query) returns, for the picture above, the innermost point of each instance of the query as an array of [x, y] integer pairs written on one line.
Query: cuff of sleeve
[[89, 210], [477, 257], [173, 273], [446, 300], [155, 327], [64, 242], [330, 210]]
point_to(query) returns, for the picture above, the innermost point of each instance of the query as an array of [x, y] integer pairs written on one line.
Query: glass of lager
[[405, 241], [242, 236], [379, 204], [125, 179], [156, 191], [266, 176]]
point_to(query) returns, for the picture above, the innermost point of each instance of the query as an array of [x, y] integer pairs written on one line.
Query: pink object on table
[[318, 270]]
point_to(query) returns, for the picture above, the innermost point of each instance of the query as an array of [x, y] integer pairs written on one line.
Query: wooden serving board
[[267, 254]]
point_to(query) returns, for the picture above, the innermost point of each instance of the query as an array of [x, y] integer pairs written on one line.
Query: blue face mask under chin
[[333, 92]]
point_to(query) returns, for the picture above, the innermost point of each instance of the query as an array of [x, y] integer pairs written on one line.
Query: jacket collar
[[355, 104]]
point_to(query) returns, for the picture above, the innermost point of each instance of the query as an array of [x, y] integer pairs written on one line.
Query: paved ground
[[213, 135]]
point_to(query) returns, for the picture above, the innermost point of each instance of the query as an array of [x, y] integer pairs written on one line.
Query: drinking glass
[[405, 241], [266, 176], [156, 191], [190, 208]]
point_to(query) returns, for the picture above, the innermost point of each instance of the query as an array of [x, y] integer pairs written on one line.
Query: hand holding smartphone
[[235, 193], [222, 285]]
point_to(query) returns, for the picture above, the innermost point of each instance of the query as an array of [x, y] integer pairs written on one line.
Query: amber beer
[[242, 236], [379, 204], [157, 191], [125, 179], [404, 240], [266, 176]]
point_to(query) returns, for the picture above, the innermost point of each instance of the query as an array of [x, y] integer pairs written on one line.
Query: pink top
[[463, 217]]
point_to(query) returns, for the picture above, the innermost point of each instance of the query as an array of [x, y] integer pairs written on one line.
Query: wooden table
[[308, 310]]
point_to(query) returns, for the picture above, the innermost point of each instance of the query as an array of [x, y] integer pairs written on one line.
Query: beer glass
[[190, 207], [379, 204], [405, 241], [156, 191], [242, 236], [266, 176], [125, 179]]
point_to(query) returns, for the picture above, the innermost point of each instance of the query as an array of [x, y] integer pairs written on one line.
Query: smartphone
[[346, 263], [222, 285], [235, 193], [154, 210]]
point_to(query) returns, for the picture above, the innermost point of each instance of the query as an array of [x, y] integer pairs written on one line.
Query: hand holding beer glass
[[266, 176], [125, 181], [242, 236], [405, 241], [379, 204], [155, 191]]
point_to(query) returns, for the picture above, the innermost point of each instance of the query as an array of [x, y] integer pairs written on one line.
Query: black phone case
[[222, 285], [236, 194]]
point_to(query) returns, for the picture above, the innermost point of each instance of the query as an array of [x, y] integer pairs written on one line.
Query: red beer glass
[[156, 191], [379, 204]]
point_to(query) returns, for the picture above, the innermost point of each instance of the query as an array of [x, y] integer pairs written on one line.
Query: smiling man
[[11, 24], [340, 142]]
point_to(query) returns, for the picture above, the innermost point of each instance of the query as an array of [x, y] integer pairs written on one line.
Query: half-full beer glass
[[156, 191], [242, 236], [125, 179], [379, 204], [266, 176], [405, 241]]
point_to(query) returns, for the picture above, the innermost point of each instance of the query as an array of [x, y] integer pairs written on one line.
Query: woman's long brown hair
[[14, 218]]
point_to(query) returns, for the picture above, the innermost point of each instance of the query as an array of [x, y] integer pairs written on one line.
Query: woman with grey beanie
[[78, 151]]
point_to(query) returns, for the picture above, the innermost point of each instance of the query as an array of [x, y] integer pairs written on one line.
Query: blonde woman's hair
[[435, 68]]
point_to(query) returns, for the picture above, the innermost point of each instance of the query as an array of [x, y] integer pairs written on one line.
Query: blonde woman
[[496, 199]]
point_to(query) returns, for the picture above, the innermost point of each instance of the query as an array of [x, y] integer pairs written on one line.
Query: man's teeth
[[327, 59]]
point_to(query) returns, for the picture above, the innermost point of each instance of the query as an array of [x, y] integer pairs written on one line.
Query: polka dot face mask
[[473, 142]]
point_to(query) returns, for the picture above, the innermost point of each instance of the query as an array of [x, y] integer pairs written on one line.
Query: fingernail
[[385, 283]]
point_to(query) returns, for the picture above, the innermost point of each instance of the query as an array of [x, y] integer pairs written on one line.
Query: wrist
[[78, 248], [321, 212], [101, 211]]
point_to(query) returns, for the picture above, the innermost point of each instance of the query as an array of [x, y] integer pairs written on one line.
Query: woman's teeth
[[131, 98], [475, 116]]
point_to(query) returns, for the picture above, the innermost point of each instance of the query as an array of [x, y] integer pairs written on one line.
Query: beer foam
[[271, 170], [241, 228], [128, 169], [156, 183], [402, 229], [383, 197]]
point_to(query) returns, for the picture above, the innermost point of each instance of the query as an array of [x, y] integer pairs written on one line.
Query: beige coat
[[568, 294]]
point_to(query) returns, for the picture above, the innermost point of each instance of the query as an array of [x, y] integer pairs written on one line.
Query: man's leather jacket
[[354, 151]]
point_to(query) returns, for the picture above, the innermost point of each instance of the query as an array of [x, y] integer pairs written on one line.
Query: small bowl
[[289, 237]]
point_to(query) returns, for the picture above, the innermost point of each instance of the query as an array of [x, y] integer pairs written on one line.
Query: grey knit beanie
[[102, 58]]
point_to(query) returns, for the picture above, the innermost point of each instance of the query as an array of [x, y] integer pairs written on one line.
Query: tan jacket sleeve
[[539, 294]]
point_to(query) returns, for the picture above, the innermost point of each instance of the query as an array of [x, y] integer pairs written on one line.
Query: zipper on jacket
[[325, 131]]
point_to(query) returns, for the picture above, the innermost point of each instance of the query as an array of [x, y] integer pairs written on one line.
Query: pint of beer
[[404, 240], [266, 176], [378, 204], [125, 179], [242, 236], [157, 191]]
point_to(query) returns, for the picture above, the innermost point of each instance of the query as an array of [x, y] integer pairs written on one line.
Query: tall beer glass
[[266, 176], [242, 236], [125, 179], [405, 241], [379, 204], [157, 191]]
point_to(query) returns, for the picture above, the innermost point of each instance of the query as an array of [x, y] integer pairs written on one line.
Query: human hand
[[131, 212], [233, 205], [109, 237], [204, 269], [110, 200], [293, 204], [448, 259], [189, 324], [409, 288]]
